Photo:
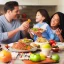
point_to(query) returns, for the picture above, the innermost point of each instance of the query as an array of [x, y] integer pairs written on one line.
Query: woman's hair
[[61, 17], [45, 14]]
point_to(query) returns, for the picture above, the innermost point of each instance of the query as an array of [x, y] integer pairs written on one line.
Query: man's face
[[14, 13]]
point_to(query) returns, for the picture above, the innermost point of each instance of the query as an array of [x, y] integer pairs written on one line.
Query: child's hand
[[58, 31], [39, 34]]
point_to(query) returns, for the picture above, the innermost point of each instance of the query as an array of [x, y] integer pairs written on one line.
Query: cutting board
[[47, 61]]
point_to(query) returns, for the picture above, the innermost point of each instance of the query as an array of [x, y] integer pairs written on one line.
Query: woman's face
[[55, 21], [39, 17]]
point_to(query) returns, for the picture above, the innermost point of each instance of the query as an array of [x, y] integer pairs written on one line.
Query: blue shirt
[[5, 27], [48, 34], [56, 37]]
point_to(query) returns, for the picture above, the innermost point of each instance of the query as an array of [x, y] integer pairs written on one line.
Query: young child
[[57, 25], [41, 18]]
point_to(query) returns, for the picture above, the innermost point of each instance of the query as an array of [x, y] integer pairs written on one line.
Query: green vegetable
[[35, 29]]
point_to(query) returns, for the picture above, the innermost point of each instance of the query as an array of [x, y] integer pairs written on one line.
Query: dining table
[[19, 61]]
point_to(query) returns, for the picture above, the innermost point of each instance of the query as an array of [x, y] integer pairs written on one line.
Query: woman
[[57, 25]]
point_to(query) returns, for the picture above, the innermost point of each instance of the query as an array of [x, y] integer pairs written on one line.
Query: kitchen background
[[28, 8]]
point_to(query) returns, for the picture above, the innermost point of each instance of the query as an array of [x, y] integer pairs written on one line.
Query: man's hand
[[24, 26]]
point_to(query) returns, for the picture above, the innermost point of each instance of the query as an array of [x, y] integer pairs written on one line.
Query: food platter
[[41, 41], [26, 41], [21, 50], [16, 50]]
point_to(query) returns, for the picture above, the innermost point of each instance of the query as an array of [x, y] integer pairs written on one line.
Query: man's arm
[[13, 32], [7, 35]]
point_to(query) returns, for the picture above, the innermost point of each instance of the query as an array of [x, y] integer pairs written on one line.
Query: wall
[[60, 6], [32, 2], [31, 10]]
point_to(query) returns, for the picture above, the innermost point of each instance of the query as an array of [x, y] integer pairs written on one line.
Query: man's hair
[[10, 5]]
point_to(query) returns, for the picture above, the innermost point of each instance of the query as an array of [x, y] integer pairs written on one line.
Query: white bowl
[[39, 43]]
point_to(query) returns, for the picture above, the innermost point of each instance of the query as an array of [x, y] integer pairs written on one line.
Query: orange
[[5, 56]]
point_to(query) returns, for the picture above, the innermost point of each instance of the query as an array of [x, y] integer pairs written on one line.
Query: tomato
[[51, 41], [54, 44]]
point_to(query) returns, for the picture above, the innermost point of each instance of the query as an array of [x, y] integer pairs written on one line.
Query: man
[[10, 26]]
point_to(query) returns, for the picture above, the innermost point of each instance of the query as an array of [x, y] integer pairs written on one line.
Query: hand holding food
[[37, 31], [28, 21], [24, 26]]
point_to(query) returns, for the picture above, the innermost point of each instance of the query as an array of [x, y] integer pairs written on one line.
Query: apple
[[55, 57], [35, 57], [46, 45], [51, 41], [54, 44], [43, 57]]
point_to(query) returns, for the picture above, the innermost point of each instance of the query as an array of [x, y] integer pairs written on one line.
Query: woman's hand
[[58, 31]]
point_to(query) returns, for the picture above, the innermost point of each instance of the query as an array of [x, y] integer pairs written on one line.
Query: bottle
[[28, 20]]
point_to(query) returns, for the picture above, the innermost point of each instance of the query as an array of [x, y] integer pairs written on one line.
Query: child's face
[[55, 21], [39, 17]]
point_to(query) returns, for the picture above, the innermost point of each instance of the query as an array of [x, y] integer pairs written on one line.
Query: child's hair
[[61, 17], [45, 14]]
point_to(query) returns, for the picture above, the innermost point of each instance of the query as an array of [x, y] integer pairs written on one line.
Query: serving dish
[[16, 50]]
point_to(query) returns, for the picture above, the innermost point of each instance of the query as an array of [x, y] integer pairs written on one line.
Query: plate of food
[[41, 40], [35, 30], [21, 47], [25, 40]]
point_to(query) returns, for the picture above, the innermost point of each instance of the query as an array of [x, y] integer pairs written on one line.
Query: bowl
[[55, 49]]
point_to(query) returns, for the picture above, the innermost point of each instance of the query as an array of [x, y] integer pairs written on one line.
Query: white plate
[[10, 45], [15, 50]]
